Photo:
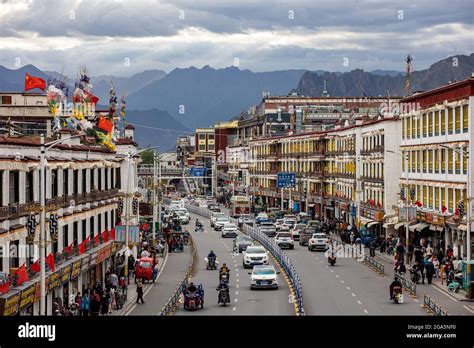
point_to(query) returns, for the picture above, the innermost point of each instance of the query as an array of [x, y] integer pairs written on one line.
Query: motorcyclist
[[224, 269], [395, 283], [192, 288], [198, 223], [223, 286], [211, 255]]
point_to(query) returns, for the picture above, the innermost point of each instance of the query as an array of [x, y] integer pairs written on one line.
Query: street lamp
[[407, 236], [42, 237], [465, 153]]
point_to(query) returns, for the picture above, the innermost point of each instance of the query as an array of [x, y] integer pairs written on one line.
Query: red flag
[[96, 240], [379, 204], [456, 212], [50, 261], [112, 233], [22, 275], [82, 246], [4, 287], [105, 236], [92, 98], [105, 124], [371, 202], [419, 204], [32, 82], [35, 267], [443, 209], [68, 249]]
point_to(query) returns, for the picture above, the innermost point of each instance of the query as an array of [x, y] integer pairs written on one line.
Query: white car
[[220, 222], [290, 223], [318, 241], [246, 219], [284, 240], [265, 277], [230, 230], [185, 211], [254, 255], [278, 224], [214, 217], [296, 230], [182, 217]]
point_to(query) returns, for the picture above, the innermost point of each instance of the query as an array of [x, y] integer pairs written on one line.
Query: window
[[403, 128], [29, 187], [14, 256], [418, 193], [75, 231], [408, 127], [450, 121], [425, 125], [202, 147], [210, 137], [443, 197], [458, 162], [450, 161], [425, 195], [99, 223], [99, 179], [413, 161], [436, 194], [430, 159], [458, 120], [464, 161], [202, 136], [425, 161], [418, 162], [14, 187], [436, 122], [418, 126], [210, 147], [75, 181], [118, 179], [91, 227], [1, 193], [443, 122], [6, 99], [450, 200], [430, 124], [84, 230], [457, 197], [65, 236], [54, 183], [430, 191], [465, 118], [443, 160], [84, 180], [436, 161], [65, 182]]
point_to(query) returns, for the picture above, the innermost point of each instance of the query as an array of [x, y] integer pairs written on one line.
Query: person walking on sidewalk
[[430, 271], [410, 249], [140, 290]]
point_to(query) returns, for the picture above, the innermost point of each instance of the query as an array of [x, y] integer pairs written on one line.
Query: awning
[[462, 227], [418, 227], [370, 224], [13, 165], [365, 221], [436, 228], [400, 224]]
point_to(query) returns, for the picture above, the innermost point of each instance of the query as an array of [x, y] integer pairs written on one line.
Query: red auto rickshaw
[[144, 269]]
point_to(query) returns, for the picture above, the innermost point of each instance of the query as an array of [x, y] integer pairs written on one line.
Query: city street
[[243, 300]]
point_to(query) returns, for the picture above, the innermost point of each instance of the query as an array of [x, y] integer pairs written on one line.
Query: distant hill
[[359, 83], [14, 80], [208, 95]]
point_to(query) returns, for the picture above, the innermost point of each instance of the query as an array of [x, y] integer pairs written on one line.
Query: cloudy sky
[[122, 37]]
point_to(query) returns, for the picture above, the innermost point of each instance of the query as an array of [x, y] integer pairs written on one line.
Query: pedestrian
[[421, 267], [430, 271], [95, 304], [140, 290], [104, 303], [410, 250], [400, 250], [429, 251], [352, 237], [418, 254], [113, 280], [85, 303]]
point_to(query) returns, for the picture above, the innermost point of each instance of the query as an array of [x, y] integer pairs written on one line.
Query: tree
[[147, 156]]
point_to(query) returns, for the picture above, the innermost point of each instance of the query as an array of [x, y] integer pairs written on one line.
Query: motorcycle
[[211, 263], [332, 260], [199, 228], [224, 277], [454, 282], [74, 309], [397, 295], [224, 297], [193, 300], [415, 275]]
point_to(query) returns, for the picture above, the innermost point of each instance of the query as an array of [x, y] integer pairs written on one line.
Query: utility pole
[[42, 238], [154, 196]]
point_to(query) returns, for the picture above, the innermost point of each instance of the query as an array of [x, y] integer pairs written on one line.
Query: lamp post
[[465, 153], [42, 237]]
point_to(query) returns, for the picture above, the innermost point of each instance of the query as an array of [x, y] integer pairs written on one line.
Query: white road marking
[[327, 266], [342, 281], [469, 309], [354, 295], [320, 261], [348, 288], [359, 302], [237, 280], [366, 311], [234, 309], [236, 292], [450, 296], [236, 274], [236, 300], [237, 286], [332, 271], [416, 300], [337, 275]]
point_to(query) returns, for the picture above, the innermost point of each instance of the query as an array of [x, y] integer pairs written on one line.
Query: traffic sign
[[285, 180], [193, 171]]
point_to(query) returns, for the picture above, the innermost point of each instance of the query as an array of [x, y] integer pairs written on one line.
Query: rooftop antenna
[[325, 92], [408, 60]]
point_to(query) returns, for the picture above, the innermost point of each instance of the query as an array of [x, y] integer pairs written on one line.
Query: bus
[[239, 205]]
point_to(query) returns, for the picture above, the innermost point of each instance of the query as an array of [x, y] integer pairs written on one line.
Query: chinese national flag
[[112, 233], [50, 261], [82, 246], [4, 288], [92, 98], [96, 240], [105, 124], [371, 202], [32, 82], [105, 236], [418, 204], [36, 266], [68, 249], [443, 209], [22, 275]]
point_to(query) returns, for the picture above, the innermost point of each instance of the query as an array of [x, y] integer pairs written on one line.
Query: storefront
[[85, 276], [75, 275], [54, 290], [9, 303], [372, 220], [66, 285]]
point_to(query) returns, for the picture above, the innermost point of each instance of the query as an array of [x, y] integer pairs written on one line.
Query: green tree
[[147, 157]]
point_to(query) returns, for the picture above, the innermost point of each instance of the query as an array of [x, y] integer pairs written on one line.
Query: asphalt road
[[243, 300]]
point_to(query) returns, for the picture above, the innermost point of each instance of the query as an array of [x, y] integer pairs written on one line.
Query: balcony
[[340, 152], [372, 179], [373, 207], [341, 175]]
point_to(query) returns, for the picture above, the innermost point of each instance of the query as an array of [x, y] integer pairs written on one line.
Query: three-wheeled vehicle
[[193, 300], [144, 269]]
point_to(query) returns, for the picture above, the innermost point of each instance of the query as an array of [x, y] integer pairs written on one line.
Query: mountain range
[[186, 98]]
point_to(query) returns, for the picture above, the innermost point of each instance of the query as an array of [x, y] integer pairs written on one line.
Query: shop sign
[[9, 305], [402, 214], [54, 280], [378, 216], [28, 295], [38, 289], [343, 206], [85, 263], [66, 274], [76, 269], [429, 218], [93, 260]]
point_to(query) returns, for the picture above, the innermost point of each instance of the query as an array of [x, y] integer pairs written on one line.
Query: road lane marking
[[450, 296], [359, 302], [342, 281], [236, 300], [353, 295], [234, 309], [366, 311], [416, 300], [236, 292], [337, 275], [469, 309], [237, 286], [327, 266], [332, 271], [348, 288], [237, 280], [236, 274]]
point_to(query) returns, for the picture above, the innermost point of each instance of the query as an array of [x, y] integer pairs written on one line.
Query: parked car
[[229, 230], [264, 277], [254, 255], [242, 242], [318, 241], [284, 240], [306, 234]]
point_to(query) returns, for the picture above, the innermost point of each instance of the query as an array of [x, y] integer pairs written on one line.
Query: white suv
[[254, 255], [284, 240], [318, 241]]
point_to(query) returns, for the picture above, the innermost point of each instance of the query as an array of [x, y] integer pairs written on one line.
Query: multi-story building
[[436, 141]]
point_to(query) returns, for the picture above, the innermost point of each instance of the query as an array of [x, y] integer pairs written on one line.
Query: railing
[[433, 306], [374, 264], [173, 301], [372, 150], [409, 285], [372, 179]]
